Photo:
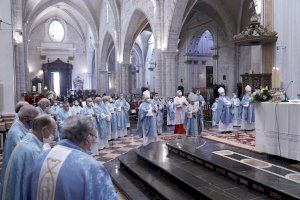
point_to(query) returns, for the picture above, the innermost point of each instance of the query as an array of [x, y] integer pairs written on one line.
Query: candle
[[276, 77], [34, 88], [39, 87]]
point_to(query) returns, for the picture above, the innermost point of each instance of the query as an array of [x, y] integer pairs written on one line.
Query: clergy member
[[180, 103], [159, 121], [55, 108], [145, 124], [44, 106], [67, 171], [63, 114], [103, 117], [201, 101], [214, 107], [88, 111], [192, 121], [16, 133], [170, 115], [76, 108], [248, 115], [225, 119], [112, 109], [122, 120], [19, 105], [23, 156], [236, 110]]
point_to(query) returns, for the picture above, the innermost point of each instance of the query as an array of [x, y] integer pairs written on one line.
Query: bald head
[[20, 104], [42, 121], [28, 111], [43, 126]]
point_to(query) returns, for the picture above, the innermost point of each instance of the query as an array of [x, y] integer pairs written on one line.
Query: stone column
[[169, 77], [7, 74], [103, 81], [95, 77], [123, 78], [268, 50], [19, 48]]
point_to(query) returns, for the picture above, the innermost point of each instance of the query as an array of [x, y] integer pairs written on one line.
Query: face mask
[[55, 104], [47, 110], [29, 123], [148, 100], [60, 105], [90, 104], [49, 139], [76, 104], [180, 93]]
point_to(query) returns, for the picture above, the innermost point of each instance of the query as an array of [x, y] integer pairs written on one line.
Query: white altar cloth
[[277, 127]]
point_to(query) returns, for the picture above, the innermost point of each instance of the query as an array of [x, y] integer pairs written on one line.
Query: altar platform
[[194, 168]]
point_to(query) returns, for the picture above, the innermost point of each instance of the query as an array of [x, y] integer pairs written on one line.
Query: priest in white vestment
[[180, 104], [67, 171]]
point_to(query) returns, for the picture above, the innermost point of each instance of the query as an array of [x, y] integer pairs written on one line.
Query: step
[[155, 181], [268, 177], [194, 179], [130, 187]]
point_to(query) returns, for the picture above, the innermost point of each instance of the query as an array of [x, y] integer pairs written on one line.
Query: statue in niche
[[78, 83]]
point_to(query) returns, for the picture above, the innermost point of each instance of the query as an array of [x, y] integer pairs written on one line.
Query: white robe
[[180, 109]]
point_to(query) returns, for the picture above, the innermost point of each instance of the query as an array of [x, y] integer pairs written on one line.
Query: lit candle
[[34, 88], [39, 87]]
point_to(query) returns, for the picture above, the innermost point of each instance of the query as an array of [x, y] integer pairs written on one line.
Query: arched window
[[56, 31]]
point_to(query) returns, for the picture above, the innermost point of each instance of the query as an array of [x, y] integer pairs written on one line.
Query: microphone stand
[[285, 96]]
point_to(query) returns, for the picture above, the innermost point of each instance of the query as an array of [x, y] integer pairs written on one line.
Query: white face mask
[[49, 139], [148, 100], [76, 104], [180, 93], [90, 104]]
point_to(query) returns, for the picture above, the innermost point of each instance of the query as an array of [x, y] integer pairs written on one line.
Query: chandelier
[[255, 34]]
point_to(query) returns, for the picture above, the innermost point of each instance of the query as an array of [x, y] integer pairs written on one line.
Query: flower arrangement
[[261, 95], [34, 97]]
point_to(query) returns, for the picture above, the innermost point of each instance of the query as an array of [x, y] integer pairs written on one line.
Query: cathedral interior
[[72, 50]]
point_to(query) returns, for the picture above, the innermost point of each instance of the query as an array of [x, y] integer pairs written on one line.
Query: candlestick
[[34, 88]]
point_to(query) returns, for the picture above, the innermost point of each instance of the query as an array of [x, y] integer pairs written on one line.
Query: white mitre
[[146, 94], [221, 90], [248, 88]]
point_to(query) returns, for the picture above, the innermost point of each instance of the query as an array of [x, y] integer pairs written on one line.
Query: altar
[[277, 127]]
